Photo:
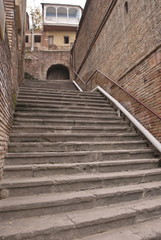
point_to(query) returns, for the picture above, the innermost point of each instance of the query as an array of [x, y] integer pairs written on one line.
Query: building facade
[[60, 25]]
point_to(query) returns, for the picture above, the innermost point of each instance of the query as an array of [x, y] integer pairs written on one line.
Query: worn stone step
[[65, 111], [78, 104], [147, 230], [75, 146], [34, 89], [77, 182], [28, 121], [45, 94], [50, 94], [76, 157], [80, 224], [41, 170], [83, 137], [89, 102], [61, 106], [69, 129], [49, 84], [68, 85], [72, 116], [43, 204]]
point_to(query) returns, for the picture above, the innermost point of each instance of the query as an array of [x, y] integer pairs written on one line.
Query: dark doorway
[[58, 71]]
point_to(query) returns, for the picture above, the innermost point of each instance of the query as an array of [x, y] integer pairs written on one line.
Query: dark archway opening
[[57, 72]]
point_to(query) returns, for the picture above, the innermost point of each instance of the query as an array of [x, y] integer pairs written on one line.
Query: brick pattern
[[5, 100], [128, 50], [11, 65], [10, 17], [92, 18], [37, 63]]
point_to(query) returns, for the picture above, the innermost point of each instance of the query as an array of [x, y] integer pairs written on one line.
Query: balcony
[[61, 15]]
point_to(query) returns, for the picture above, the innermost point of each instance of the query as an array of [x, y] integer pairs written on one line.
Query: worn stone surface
[[149, 230], [74, 169]]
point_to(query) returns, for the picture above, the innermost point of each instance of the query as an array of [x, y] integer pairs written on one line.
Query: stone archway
[[57, 72]]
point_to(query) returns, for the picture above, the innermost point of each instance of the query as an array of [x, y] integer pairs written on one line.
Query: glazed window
[[51, 12], [73, 12], [62, 12]]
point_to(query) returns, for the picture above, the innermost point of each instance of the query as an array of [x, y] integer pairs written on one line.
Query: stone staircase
[[76, 170]]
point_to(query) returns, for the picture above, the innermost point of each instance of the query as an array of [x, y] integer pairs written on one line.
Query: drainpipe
[[32, 33]]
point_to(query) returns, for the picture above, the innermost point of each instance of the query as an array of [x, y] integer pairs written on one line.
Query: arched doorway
[[58, 71]]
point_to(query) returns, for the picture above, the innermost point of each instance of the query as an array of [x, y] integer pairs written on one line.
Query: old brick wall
[[127, 48], [11, 67], [37, 63], [5, 100]]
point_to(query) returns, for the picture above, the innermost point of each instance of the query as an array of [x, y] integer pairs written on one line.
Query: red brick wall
[[11, 65], [127, 50], [38, 63]]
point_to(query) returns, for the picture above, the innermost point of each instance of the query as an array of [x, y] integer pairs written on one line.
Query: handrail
[[140, 102], [136, 123], [78, 76]]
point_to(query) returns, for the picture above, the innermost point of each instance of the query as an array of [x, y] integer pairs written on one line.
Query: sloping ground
[[76, 170]]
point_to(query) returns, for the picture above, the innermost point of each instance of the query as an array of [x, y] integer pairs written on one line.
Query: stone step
[[67, 116], [61, 106], [80, 224], [69, 122], [76, 157], [41, 170], [67, 103], [54, 85], [17, 147], [55, 91], [43, 204], [69, 129], [48, 84], [73, 101], [77, 182], [62, 137], [29, 94], [147, 230], [65, 111]]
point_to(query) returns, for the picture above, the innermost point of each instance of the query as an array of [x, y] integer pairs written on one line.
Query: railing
[[116, 84], [148, 117]]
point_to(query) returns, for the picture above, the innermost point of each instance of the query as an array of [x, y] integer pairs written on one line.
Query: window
[[50, 40], [73, 12], [62, 12], [51, 12], [27, 38], [37, 38], [66, 39]]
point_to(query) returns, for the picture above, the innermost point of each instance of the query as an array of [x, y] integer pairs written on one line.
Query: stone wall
[[37, 63], [126, 46], [11, 68]]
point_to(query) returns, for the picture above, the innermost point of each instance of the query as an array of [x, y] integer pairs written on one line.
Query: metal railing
[[119, 86], [151, 134]]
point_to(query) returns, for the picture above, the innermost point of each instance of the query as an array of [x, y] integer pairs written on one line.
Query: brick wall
[[11, 65], [127, 48], [37, 63]]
